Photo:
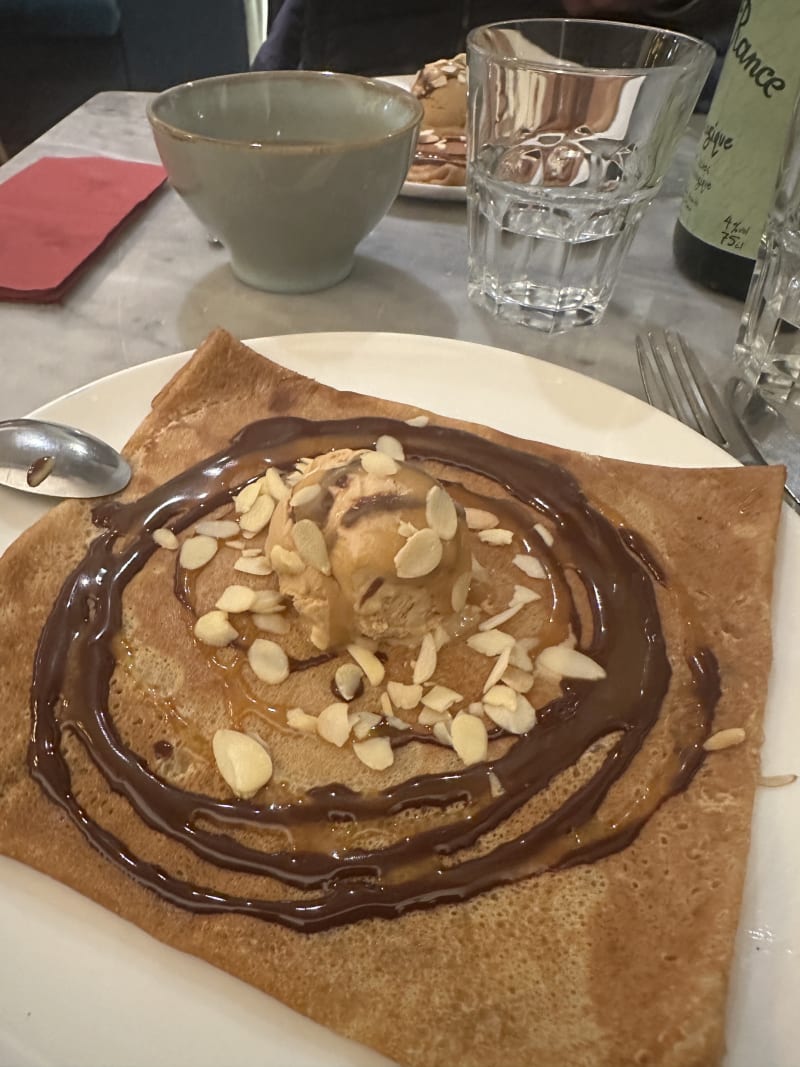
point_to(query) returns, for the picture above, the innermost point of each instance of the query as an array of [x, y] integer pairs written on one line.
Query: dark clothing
[[399, 36]]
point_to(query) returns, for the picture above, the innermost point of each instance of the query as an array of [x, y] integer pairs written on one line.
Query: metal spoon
[[55, 460]]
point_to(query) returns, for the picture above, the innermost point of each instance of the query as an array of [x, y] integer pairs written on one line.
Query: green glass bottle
[[730, 190]]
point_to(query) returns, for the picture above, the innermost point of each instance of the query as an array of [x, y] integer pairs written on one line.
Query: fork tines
[[674, 381]]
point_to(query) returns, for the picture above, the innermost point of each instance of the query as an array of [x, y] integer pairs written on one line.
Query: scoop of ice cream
[[368, 545], [442, 89]]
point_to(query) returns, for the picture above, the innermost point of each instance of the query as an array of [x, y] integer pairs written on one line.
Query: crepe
[[618, 961]]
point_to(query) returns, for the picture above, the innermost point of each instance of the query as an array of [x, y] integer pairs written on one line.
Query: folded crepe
[[571, 893]]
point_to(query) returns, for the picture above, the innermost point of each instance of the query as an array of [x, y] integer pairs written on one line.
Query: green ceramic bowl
[[289, 169]]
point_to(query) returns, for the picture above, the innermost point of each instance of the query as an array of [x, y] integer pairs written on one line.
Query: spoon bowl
[[54, 460]]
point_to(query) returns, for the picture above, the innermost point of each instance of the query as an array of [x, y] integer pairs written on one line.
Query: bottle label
[[730, 191]]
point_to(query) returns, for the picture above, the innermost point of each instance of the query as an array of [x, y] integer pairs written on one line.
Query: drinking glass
[[768, 345], [572, 124]]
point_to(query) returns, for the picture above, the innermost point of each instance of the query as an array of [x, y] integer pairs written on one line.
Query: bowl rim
[[702, 48], [385, 88]]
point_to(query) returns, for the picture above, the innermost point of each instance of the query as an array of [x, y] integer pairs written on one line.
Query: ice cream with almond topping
[[370, 546], [442, 89], [441, 156]]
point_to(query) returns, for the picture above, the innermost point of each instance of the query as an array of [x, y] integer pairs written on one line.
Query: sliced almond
[[530, 565], [333, 724], [520, 681], [375, 753], [441, 731], [520, 656], [406, 528], [236, 598], [495, 785], [397, 723], [470, 739], [429, 717], [258, 565], [349, 680], [310, 544], [421, 554], [491, 642], [213, 628], [775, 781], [196, 552], [221, 528], [165, 538], [271, 622], [251, 553], [496, 537], [365, 721], [440, 636], [390, 446], [440, 513], [275, 485], [440, 698], [519, 721], [498, 670], [545, 534], [418, 420], [475, 708], [500, 696], [285, 561], [267, 600], [240, 546], [256, 518], [306, 495], [479, 571], [300, 720], [293, 478], [369, 663], [378, 463], [497, 620], [724, 739], [246, 497], [460, 592], [480, 520], [426, 660], [268, 661], [386, 706], [245, 764], [523, 595], [404, 696], [569, 663]]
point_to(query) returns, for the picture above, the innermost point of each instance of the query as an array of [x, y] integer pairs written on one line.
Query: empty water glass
[[768, 346], [572, 124]]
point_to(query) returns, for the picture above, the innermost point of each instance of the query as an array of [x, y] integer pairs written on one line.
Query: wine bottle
[[730, 190]]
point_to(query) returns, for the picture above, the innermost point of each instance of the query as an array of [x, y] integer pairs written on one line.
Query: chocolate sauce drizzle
[[75, 662]]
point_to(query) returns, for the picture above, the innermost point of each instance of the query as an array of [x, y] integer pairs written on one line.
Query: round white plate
[[424, 190], [80, 986]]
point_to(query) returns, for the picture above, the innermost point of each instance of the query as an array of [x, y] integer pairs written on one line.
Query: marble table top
[[159, 286]]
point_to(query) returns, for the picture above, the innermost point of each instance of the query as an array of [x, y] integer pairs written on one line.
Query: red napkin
[[57, 212]]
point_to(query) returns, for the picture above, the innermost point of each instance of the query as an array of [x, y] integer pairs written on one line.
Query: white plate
[[80, 986], [424, 190]]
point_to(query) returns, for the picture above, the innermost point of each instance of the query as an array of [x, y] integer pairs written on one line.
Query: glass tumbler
[[768, 345], [572, 124]]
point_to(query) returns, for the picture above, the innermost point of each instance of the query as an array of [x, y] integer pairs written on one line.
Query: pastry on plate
[[445, 738], [441, 156]]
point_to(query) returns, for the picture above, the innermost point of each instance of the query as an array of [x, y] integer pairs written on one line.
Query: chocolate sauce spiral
[[75, 662]]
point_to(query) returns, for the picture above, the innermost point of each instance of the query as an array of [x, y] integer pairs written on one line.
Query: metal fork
[[675, 382]]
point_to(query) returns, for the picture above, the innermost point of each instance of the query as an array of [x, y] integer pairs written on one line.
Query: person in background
[[399, 36]]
